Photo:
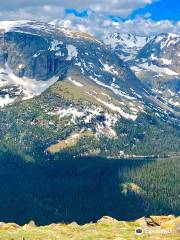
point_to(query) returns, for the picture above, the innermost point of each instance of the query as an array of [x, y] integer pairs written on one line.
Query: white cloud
[[44, 13], [121, 7], [143, 26], [99, 24]]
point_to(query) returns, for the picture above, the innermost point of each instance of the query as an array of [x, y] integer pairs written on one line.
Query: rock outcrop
[[153, 227]]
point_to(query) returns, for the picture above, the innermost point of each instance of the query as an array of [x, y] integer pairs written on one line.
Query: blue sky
[[142, 17], [77, 13], [161, 10], [157, 10], [148, 18]]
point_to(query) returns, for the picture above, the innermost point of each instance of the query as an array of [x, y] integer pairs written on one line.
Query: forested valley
[[83, 189]]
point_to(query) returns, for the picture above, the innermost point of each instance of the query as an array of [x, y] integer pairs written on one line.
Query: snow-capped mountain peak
[[166, 39], [125, 45], [43, 54], [36, 55], [155, 60], [127, 40]]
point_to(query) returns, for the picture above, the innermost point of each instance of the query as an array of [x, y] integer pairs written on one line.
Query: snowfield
[[30, 87]]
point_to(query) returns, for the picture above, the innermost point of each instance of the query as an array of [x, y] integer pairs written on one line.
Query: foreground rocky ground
[[154, 227]]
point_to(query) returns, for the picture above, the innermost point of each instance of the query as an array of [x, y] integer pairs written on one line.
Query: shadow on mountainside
[[67, 190]]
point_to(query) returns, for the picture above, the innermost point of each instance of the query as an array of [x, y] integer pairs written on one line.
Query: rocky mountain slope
[[154, 227], [126, 46], [38, 51], [77, 130], [59, 87], [155, 60]]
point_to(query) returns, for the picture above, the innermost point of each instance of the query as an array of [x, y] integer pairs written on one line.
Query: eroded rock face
[[31, 52], [29, 55], [40, 51], [154, 59], [163, 51]]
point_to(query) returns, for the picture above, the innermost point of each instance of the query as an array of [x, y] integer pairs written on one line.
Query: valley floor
[[162, 227]]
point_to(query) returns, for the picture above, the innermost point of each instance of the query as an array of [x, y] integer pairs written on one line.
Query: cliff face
[[154, 227], [154, 59], [40, 51], [29, 55]]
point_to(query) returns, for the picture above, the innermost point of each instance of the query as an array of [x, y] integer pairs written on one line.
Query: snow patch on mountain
[[159, 71], [167, 40], [125, 45], [75, 82], [36, 55], [154, 68], [55, 45], [103, 121], [11, 25], [72, 52], [113, 87], [148, 55], [127, 40], [30, 87], [5, 100], [114, 108], [107, 68], [166, 61], [174, 103]]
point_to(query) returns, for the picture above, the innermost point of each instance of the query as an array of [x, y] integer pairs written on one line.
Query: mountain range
[[155, 60], [89, 127], [61, 88]]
